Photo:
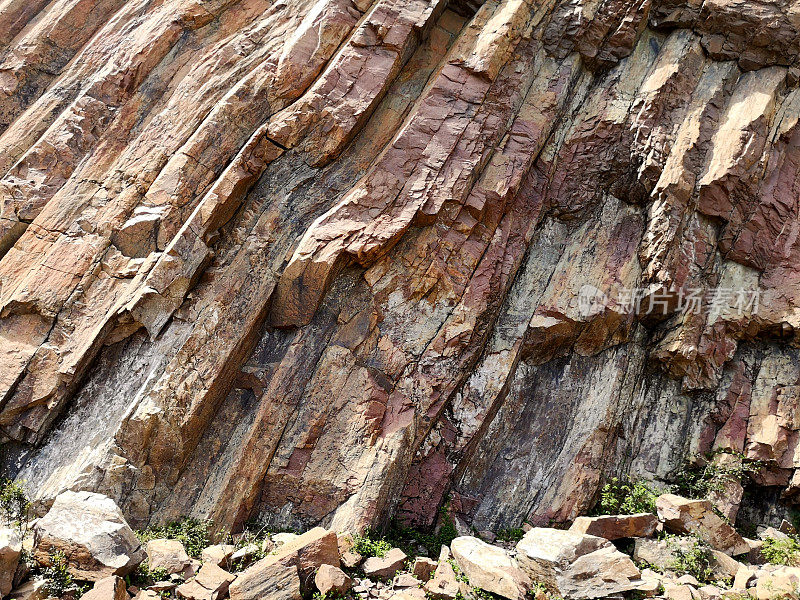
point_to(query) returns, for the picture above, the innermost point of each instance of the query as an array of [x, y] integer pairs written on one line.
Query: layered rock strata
[[333, 262]]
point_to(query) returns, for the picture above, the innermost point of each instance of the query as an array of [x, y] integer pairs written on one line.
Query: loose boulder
[[279, 575], [268, 580], [330, 579], [423, 568], [168, 555], [10, 549], [210, 583], [682, 515], [444, 584], [218, 554], [490, 568], [110, 588], [576, 565], [386, 566], [93, 535], [615, 527]]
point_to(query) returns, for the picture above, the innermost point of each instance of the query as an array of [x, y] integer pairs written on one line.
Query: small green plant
[[14, 503], [144, 576], [513, 534], [625, 497], [694, 561], [699, 479], [782, 551], [254, 535], [192, 533], [409, 538], [367, 545], [56, 576]]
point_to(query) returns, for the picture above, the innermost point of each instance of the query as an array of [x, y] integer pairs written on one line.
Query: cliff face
[[335, 261]]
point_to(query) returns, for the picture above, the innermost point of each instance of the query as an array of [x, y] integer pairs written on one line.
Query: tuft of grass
[[194, 534], [625, 497], [782, 551]]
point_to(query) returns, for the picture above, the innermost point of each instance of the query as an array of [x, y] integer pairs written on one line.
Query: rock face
[[92, 534], [310, 261]]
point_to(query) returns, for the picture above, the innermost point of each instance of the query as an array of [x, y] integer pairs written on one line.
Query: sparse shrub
[[513, 534], [696, 561], [409, 538], [192, 533], [14, 503], [144, 576], [626, 497], [367, 546], [781, 551], [699, 481], [56, 576]]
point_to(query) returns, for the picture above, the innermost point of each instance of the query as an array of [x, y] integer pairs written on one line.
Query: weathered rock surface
[[576, 565], [490, 568], [110, 588], [332, 580], [10, 550], [309, 261], [92, 534], [614, 527], [681, 515], [168, 555]]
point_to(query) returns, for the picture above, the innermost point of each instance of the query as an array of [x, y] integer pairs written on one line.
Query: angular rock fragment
[[210, 583], [93, 535], [218, 554], [614, 527], [167, 555], [279, 574], [423, 568], [110, 588], [10, 550], [490, 568], [443, 585], [384, 566], [330, 579], [576, 565], [682, 515]]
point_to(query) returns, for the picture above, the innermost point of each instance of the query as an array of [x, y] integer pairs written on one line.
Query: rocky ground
[[84, 548]]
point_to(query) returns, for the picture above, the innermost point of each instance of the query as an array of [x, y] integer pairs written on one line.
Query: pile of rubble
[[583, 562]]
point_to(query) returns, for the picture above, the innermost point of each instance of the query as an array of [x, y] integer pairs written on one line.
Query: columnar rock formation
[[327, 261]]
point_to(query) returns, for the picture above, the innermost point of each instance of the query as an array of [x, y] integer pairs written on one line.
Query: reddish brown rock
[[614, 527], [384, 567], [330, 579], [210, 583], [681, 515], [110, 588]]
